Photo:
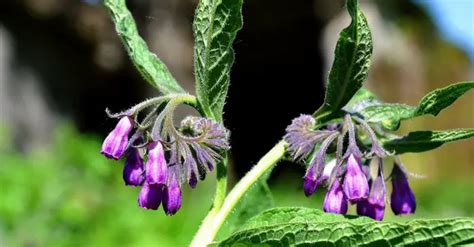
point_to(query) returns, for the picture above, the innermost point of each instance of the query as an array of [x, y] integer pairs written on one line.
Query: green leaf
[[439, 99], [257, 199], [390, 115], [420, 141], [351, 63], [312, 227], [362, 95], [216, 23], [148, 64]]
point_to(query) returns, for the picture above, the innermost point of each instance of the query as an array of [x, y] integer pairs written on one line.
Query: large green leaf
[[257, 199], [152, 69], [420, 141], [216, 23], [390, 115], [351, 63], [312, 227]]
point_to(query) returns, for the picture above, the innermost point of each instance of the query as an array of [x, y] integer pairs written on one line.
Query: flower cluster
[[355, 148], [160, 158]]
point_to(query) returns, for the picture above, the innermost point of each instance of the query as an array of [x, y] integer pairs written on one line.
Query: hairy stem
[[214, 220]]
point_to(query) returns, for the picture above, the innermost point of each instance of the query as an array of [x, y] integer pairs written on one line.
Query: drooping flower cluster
[[355, 149], [160, 158]]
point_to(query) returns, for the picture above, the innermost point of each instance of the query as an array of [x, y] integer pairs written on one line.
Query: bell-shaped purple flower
[[356, 186], [156, 166], [335, 200], [374, 206], [150, 196], [172, 196], [116, 142], [133, 169], [311, 181], [402, 199]]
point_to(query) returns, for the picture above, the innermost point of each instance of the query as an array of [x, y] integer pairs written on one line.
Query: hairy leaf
[[351, 63], [148, 64], [390, 115], [312, 227], [420, 141], [216, 23], [439, 99]]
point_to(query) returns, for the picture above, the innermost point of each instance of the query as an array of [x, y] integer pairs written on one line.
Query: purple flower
[[197, 147], [374, 206], [302, 137], [133, 169], [335, 200], [355, 185], [150, 196], [116, 142], [156, 167], [172, 196], [316, 167], [402, 199], [311, 182]]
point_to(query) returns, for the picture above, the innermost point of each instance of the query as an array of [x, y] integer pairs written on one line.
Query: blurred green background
[[61, 65]]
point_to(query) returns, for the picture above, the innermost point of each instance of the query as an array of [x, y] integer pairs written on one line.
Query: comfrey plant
[[348, 146]]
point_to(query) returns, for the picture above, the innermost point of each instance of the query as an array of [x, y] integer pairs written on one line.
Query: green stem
[[219, 197], [214, 220], [221, 187], [187, 99]]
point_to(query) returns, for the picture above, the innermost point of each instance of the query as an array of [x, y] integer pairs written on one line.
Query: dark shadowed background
[[61, 65]]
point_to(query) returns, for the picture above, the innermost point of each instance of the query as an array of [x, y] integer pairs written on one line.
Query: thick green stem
[[214, 220]]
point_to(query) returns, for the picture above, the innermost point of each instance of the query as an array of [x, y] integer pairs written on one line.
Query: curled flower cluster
[[165, 157], [354, 145]]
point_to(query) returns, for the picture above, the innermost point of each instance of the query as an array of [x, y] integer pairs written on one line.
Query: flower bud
[[316, 167], [374, 206], [150, 196], [302, 137], [172, 196], [156, 167], [193, 180], [335, 200], [116, 142], [311, 182], [133, 169], [355, 185], [402, 199]]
